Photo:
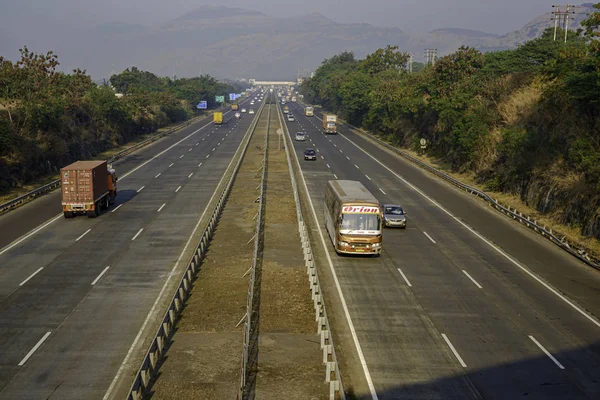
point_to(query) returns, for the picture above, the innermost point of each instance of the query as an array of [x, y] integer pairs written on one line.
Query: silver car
[[300, 136], [394, 216]]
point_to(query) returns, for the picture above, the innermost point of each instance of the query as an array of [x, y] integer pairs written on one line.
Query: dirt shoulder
[[290, 357], [204, 360]]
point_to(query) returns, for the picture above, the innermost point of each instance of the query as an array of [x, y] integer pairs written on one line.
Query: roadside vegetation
[[523, 121], [49, 119]]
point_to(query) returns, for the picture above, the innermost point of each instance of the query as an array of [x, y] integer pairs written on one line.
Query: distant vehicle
[[394, 216], [88, 187], [238, 115], [329, 124], [251, 111], [310, 154], [293, 99], [243, 110], [252, 103], [235, 107], [353, 218], [286, 109], [290, 118], [218, 118], [300, 136], [309, 111]]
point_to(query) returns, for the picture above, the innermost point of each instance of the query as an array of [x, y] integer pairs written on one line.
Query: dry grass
[[521, 103]]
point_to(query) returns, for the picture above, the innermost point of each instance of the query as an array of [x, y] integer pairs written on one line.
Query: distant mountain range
[[233, 42]]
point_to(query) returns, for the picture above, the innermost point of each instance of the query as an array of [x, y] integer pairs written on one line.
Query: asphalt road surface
[[75, 294], [464, 303]]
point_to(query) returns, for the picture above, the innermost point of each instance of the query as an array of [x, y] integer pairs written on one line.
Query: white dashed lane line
[[335, 176], [190, 175], [171, 165], [116, 208], [100, 276], [140, 189], [404, 277], [178, 189], [368, 177], [31, 276], [137, 234], [538, 344], [381, 190], [458, 357], [33, 350], [472, 280], [161, 207], [429, 237], [157, 175], [83, 234]]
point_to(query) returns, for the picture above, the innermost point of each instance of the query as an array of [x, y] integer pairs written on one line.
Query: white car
[[238, 115], [251, 111], [290, 118], [252, 103], [300, 136], [243, 110]]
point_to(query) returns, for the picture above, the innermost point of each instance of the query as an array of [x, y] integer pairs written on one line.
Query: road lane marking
[[213, 149], [429, 237], [161, 207], [171, 165], [361, 356], [335, 176], [157, 175], [30, 234], [197, 143], [117, 207], [318, 151], [458, 357], [208, 155], [322, 157], [100, 276], [181, 157], [160, 294], [190, 175], [200, 164], [137, 234], [37, 346], [472, 280], [178, 189], [405, 278], [381, 190], [31, 276], [538, 344], [83, 234], [190, 150], [348, 158], [328, 166], [368, 177], [140, 189], [493, 246], [356, 166]]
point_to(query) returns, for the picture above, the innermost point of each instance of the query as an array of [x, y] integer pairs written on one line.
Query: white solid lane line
[[37, 346], [190, 175], [381, 190], [178, 189], [429, 237], [472, 280], [31, 234], [117, 207], [31, 276], [405, 278], [485, 240], [161, 207], [171, 165], [368, 177], [100, 276], [84, 233], [140, 189], [458, 357], [559, 365], [157, 175], [137, 234]]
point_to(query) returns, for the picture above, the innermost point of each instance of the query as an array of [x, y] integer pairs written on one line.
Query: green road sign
[[219, 99]]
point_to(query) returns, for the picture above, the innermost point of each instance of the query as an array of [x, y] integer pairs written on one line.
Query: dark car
[[394, 216], [310, 154]]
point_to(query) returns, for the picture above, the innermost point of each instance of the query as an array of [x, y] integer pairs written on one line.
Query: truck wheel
[[68, 214], [106, 202]]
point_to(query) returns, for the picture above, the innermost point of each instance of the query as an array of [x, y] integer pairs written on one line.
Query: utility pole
[[562, 18], [430, 56]]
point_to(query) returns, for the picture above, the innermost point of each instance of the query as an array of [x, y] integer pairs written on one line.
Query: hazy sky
[[413, 16]]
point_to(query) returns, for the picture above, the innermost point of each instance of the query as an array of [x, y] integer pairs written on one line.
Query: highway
[[78, 296], [464, 303]]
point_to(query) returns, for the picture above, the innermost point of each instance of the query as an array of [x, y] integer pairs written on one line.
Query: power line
[[430, 56], [561, 17]]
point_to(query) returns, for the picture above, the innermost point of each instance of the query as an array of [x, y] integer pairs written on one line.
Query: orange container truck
[[87, 187]]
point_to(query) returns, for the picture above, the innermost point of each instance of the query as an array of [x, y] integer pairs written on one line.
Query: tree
[[385, 59]]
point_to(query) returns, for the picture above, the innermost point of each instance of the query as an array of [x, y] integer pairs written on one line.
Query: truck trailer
[[88, 187], [329, 124], [218, 118]]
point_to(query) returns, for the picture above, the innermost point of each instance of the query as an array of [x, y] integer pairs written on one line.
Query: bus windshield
[[360, 224]]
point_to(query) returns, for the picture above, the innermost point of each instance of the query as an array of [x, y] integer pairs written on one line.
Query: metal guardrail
[[332, 374], [49, 187], [159, 344], [250, 323], [580, 253]]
